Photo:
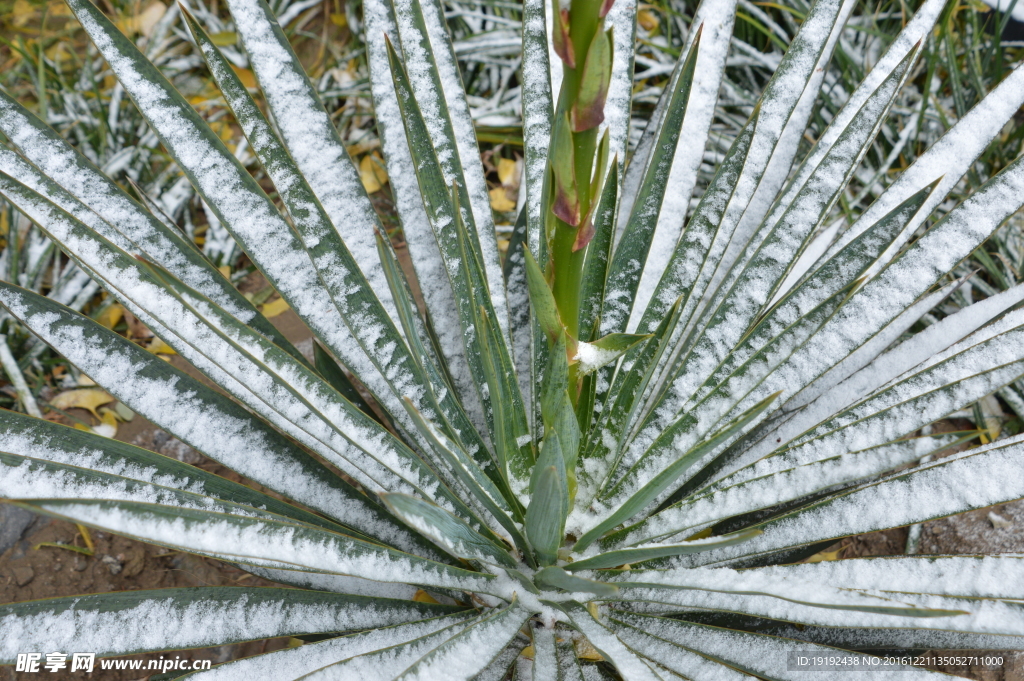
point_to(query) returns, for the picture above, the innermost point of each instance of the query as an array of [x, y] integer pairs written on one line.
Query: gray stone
[[23, 575], [14, 520]]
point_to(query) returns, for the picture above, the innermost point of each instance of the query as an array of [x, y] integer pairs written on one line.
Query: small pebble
[[79, 565], [23, 575], [57, 566]]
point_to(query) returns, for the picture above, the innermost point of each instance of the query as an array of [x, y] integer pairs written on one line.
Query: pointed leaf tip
[[606, 7], [584, 235], [566, 204], [563, 45], [588, 111]]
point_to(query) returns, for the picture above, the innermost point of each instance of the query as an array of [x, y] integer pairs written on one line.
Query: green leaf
[[537, 120], [93, 198], [674, 656], [945, 487], [443, 528], [198, 415], [500, 506], [129, 622], [429, 54], [566, 202], [312, 140], [623, 272], [472, 649], [549, 502], [607, 434], [448, 213], [259, 541], [560, 35], [290, 663], [105, 464], [542, 300], [639, 554], [594, 355], [626, 661], [335, 375], [655, 473], [557, 578], [588, 109], [367, 319]]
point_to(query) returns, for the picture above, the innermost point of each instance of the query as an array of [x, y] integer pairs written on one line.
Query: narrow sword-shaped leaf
[[558, 578], [728, 498], [468, 652], [549, 502], [131, 622], [259, 541], [637, 554], [427, 262], [291, 662], [949, 158], [626, 266], [62, 165], [476, 481], [199, 416], [929, 491], [674, 656], [446, 219], [446, 530], [236, 198], [765, 656], [601, 452], [367, 319], [42, 440], [627, 662], [996, 576], [656, 473], [885, 297], [388, 662], [715, 583], [537, 115], [436, 84], [755, 285], [716, 19], [310, 136]]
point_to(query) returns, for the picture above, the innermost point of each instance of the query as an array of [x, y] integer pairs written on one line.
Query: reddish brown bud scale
[[583, 235], [563, 45], [588, 111]]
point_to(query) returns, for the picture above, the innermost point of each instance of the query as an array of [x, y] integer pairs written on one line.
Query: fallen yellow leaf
[[372, 173], [85, 398], [107, 426], [647, 19], [527, 652], [224, 38], [147, 20], [500, 201], [158, 347], [225, 270], [22, 13], [246, 76], [586, 651], [422, 596], [508, 172], [274, 308], [56, 8], [111, 316], [823, 556], [339, 20]]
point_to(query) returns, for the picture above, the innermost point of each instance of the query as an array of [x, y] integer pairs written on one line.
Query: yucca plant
[[610, 455]]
